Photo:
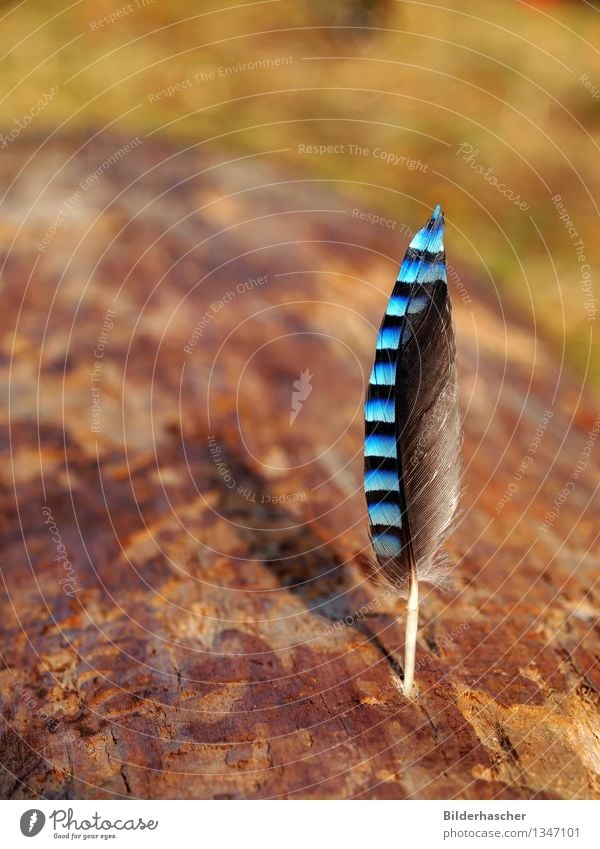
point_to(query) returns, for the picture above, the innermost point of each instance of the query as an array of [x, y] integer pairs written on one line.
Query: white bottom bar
[[300, 824]]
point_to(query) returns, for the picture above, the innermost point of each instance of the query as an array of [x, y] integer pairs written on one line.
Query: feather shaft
[[410, 634]]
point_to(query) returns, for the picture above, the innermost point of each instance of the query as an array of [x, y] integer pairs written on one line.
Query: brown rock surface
[[205, 631]]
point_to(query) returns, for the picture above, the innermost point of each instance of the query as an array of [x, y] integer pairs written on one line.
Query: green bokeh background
[[410, 78]]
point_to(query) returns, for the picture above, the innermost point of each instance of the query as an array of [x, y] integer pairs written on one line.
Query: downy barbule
[[413, 429]]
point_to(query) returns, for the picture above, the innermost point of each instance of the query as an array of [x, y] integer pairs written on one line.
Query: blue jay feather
[[412, 419]]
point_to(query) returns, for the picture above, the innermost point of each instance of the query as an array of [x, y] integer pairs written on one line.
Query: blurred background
[[491, 108], [203, 209]]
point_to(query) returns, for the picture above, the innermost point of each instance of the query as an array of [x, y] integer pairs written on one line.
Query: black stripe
[[381, 496], [428, 256], [380, 428], [401, 287], [380, 464], [385, 356], [392, 321], [380, 392]]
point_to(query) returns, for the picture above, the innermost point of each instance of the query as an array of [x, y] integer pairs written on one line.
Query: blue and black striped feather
[[412, 420]]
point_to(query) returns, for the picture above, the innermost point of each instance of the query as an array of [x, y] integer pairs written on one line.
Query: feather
[[413, 429]]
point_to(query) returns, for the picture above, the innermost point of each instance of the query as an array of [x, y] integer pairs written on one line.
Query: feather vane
[[412, 427]]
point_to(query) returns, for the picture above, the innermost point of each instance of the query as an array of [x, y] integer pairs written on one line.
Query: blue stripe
[[420, 240], [385, 514], [386, 545], [388, 338], [383, 374], [419, 271], [432, 271], [430, 239], [436, 240], [397, 305], [409, 270], [417, 304], [380, 410], [377, 445], [380, 480]]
